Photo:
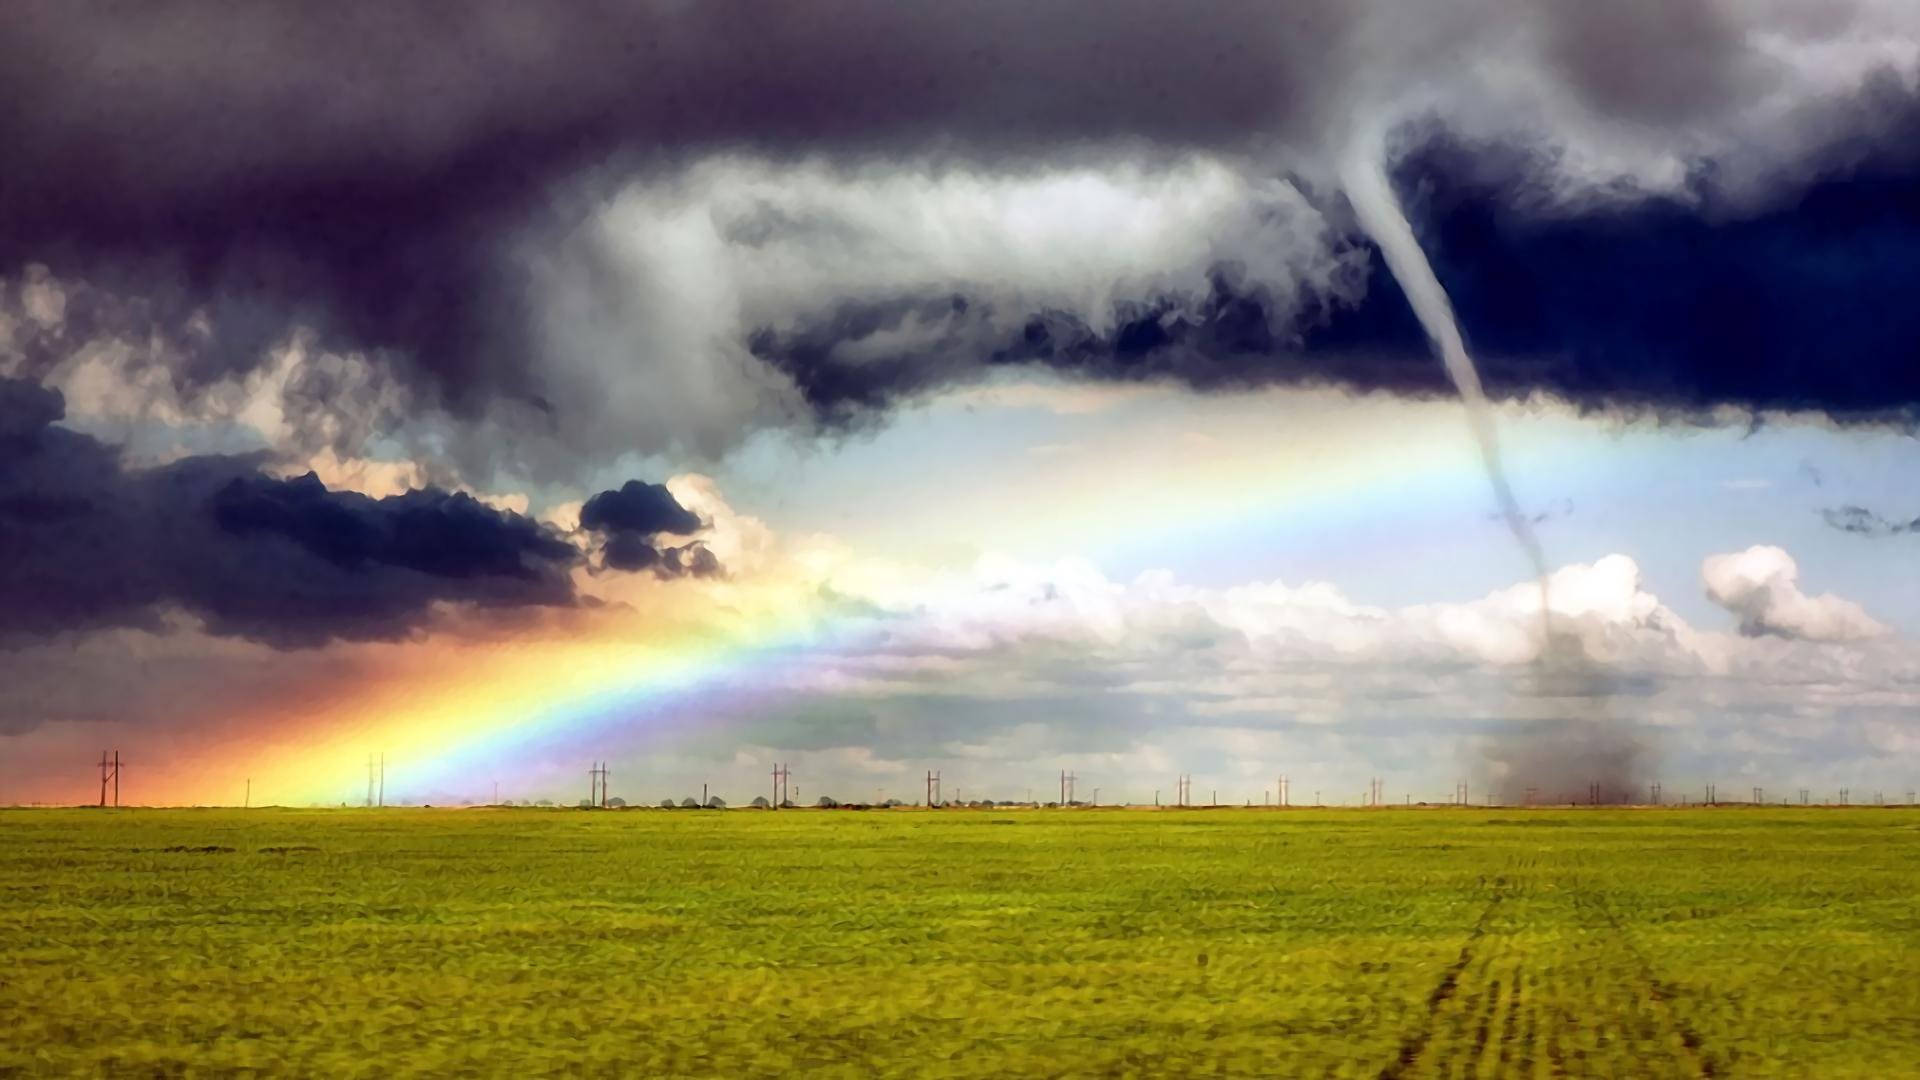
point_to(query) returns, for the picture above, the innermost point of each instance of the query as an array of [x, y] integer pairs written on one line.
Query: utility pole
[[933, 788], [1711, 801], [383, 779], [1285, 795], [109, 772], [1653, 790], [1756, 796], [370, 768], [779, 786], [248, 803]]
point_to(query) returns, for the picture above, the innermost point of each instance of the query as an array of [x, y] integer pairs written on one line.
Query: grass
[[1225, 943]]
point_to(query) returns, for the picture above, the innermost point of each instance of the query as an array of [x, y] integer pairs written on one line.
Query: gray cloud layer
[[417, 188]]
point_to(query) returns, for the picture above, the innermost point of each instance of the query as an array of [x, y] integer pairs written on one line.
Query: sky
[[1503, 394]]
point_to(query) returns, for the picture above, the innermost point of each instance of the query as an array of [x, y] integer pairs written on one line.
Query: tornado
[[1593, 756], [1365, 179]]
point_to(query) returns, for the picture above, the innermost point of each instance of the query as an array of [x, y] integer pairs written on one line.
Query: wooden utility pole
[[933, 788], [109, 775]]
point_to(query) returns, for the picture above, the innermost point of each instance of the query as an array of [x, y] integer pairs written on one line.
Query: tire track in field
[[1700, 1062], [1414, 1045], [1502, 1007]]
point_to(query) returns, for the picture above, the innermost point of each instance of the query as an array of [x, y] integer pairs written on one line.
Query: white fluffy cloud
[[1762, 586], [1017, 667]]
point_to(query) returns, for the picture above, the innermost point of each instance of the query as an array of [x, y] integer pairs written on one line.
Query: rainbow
[[450, 716]]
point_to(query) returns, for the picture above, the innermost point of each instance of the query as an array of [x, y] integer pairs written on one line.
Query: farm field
[[977, 943]]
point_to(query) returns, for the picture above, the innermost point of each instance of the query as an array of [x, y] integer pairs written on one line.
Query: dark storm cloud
[[1641, 307], [630, 520], [357, 168], [638, 507], [1864, 522], [442, 534], [86, 543], [370, 171]]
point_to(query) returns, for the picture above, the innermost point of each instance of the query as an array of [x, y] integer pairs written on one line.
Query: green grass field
[[1224, 943]]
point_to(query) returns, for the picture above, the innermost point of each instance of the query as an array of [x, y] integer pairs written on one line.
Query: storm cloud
[[1864, 522], [87, 543], [630, 521], [436, 198], [1648, 308]]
